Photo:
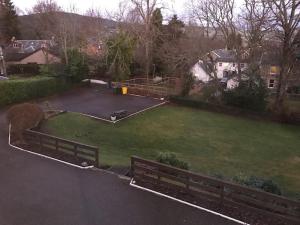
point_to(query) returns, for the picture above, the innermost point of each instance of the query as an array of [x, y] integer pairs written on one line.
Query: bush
[[249, 94], [171, 159], [28, 69], [55, 70], [188, 83], [22, 117], [77, 68], [266, 185], [14, 91]]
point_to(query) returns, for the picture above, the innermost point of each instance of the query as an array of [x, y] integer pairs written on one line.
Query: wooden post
[[187, 185], [221, 195], [56, 144], [75, 150], [41, 142], [97, 157], [132, 167]]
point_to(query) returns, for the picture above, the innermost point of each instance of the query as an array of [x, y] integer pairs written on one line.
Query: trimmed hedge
[[186, 101], [235, 111], [14, 91]]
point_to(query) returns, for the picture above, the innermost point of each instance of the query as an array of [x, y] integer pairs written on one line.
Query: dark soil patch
[[234, 212], [58, 155]]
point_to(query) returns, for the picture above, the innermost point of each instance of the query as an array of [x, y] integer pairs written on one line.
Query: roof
[[225, 55], [17, 56], [29, 46]]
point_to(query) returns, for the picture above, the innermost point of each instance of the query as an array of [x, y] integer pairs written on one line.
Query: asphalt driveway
[[38, 191], [100, 102]]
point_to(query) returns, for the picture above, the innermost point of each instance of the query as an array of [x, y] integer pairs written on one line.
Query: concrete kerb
[[133, 184], [116, 121]]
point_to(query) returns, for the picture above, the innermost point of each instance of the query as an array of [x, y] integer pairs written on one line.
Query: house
[[221, 63], [270, 71], [31, 52]]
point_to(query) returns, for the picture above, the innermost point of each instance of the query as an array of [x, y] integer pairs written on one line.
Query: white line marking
[[44, 156], [116, 121], [132, 183], [133, 114]]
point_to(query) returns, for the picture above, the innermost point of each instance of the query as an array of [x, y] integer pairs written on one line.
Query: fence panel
[[225, 193], [49, 142]]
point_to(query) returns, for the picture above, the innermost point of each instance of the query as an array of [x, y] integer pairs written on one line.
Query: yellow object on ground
[[124, 90]]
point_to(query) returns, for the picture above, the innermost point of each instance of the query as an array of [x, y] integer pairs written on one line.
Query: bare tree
[[145, 9], [286, 20], [254, 23]]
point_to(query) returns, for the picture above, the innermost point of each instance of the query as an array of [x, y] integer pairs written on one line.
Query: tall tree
[[9, 23], [145, 10], [120, 55], [286, 21]]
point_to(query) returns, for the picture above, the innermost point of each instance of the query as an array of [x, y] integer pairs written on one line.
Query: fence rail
[[78, 150], [164, 87], [224, 193]]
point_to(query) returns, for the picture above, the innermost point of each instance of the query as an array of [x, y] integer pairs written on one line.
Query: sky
[[174, 6]]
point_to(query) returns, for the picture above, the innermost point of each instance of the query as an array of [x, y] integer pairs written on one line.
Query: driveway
[[100, 102], [38, 191]]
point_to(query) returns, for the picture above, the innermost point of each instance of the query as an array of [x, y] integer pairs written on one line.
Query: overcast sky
[[174, 6]]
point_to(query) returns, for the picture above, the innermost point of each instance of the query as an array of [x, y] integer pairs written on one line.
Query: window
[[233, 64], [271, 83], [220, 64], [15, 45], [242, 65], [274, 70]]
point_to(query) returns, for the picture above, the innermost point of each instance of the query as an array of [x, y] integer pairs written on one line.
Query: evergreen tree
[[175, 28], [9, 23]]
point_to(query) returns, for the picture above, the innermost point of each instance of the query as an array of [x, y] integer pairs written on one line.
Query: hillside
[[43, 26]]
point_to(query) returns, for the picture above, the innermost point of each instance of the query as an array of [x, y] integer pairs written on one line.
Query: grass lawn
[[211, 143]]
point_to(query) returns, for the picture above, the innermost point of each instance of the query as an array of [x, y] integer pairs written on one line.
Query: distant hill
[[43, 26]]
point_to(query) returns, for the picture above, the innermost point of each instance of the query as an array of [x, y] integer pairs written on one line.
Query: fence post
[[221, 195], [41, 142], [187, 186], [75, 150], [132, 167], [97, 157], [56, 144]]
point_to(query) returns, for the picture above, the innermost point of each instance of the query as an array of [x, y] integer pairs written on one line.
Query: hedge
[[186, 101], [14, 91], [230, 110]]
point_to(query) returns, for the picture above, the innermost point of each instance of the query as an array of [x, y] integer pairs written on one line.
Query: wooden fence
[[197, 186], [80, 151], [161, 88]]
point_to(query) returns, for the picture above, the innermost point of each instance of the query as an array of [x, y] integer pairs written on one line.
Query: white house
[[225, 64]]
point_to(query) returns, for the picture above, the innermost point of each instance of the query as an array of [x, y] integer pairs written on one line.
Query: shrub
[[77, 68], [251, 93], [28, 69], [14, 91], [171, 159], [188, 83], [55, 70], [259, 183], [22, 117], [212, 92]]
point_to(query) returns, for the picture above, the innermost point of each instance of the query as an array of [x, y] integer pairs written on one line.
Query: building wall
[[228, 66], [199, 73], [38, 58]]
